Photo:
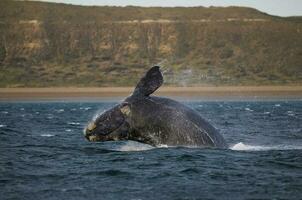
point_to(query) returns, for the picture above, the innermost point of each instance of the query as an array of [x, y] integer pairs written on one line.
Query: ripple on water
[[290, 113], [264, 161], [110, 172], [47, 135]]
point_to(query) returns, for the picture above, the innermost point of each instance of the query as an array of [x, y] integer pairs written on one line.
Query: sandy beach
[[222, 92]]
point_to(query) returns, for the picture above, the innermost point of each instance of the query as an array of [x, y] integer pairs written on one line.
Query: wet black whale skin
[[158, 120]]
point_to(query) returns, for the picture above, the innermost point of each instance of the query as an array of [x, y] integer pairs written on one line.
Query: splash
[[244, 147], [163, 146], [134, 146], [98, 113]]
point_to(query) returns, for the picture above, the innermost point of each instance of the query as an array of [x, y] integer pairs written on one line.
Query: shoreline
[[109, 93]]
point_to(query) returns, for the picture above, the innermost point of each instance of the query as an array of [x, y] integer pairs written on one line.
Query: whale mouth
[[111, 125], [90, 135], [96, 134], [95, 138]]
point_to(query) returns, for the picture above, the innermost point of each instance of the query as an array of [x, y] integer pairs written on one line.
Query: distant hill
[[50, 44]]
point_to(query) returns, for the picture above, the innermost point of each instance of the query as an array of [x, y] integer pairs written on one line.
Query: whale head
[[110, 125], [114, 124]]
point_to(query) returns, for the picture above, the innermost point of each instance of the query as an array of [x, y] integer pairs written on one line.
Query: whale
[[153, 120]]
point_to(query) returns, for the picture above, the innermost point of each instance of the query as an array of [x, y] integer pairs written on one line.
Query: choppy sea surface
[[43, 155]]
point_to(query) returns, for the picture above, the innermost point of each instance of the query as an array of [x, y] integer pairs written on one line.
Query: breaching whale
[[153, 120]]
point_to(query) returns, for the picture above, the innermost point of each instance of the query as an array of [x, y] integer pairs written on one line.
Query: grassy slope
[[69, 45]]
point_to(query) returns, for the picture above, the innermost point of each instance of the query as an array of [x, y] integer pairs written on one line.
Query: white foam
[[2, 125], [47, 135], [245, 147], [73, 123], [4, 112], [248, 109], [134, 146], [163, 146], [277, 105], [68, 130]]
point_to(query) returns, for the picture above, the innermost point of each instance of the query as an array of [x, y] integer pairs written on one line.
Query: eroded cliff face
[[52, 48]]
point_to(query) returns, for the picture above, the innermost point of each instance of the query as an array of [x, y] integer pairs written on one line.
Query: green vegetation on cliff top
[[48, 44]]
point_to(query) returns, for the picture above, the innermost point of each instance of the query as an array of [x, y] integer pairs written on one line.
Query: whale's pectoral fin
[[152, 80]]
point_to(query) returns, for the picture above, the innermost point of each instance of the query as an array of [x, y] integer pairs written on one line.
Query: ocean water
[[43, 155]]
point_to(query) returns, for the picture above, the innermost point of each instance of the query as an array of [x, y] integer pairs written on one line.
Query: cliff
[[48, 44]]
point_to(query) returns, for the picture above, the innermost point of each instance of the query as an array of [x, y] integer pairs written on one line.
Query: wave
[[245, 147]]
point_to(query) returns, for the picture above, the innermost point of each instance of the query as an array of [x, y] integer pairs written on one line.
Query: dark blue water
[[43, 155]]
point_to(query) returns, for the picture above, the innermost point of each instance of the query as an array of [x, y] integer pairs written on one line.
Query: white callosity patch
[[125, 110], [92, 138], [91, 126]]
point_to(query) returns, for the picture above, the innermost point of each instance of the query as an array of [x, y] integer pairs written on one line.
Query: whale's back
[[170, 122]]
